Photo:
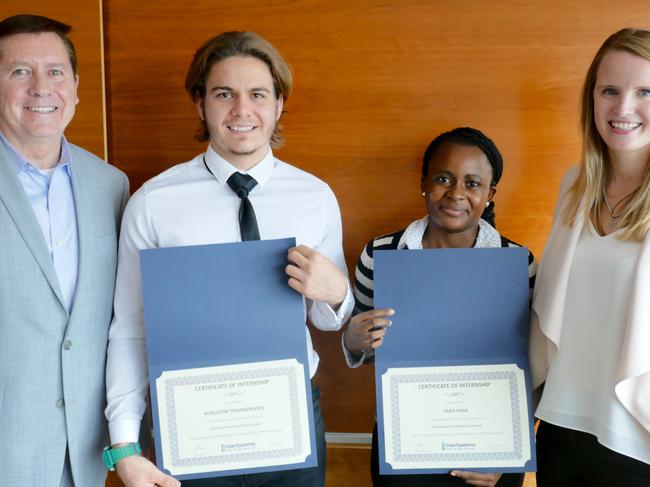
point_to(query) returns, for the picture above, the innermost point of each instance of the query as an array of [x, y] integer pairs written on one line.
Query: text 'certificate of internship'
[[227, 357], [453, 387]]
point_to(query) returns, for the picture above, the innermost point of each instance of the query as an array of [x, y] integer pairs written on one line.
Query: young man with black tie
[[236, 190]]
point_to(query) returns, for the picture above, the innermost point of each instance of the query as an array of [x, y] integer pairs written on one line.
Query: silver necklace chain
[[612, 218]]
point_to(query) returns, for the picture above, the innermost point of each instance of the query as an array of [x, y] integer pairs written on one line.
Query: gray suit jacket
[[52, 391]]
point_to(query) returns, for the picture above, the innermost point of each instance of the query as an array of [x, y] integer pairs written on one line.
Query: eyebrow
[[30, 63], [445, 171], [228, 88], [224, 88], [609, 85]]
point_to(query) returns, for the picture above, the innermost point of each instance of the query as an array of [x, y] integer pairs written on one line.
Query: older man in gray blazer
[[60, 210]]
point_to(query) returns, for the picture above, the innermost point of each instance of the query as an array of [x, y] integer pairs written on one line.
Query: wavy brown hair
[[237, 44]]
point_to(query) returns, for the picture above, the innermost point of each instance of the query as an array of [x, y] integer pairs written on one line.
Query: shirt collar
[[222, 169], [488, 237], [19, 162]]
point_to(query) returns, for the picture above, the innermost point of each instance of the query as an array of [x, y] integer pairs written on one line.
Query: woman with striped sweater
[[460, 172]]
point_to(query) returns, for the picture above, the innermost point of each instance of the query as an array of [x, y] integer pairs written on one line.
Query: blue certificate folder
[[222, 304], [453, 307]]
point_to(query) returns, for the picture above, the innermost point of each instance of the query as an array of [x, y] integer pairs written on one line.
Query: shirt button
[[67, 344], [59, 243], [60, 404]]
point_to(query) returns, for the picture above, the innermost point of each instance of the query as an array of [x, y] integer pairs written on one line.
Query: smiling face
[[457, 189], [622, 104], [240, 109], [38, 90]]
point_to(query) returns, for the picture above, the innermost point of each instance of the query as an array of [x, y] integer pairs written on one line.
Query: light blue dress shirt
[[51, 196]]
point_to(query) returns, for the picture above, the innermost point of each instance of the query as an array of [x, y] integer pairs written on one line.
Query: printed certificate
[[455, 417], [233, 417], [227, 355], [452, 376]]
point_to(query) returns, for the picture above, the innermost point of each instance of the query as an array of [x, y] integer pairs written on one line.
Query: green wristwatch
[[113, 455]]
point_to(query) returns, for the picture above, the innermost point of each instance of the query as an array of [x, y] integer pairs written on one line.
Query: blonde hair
[[594, 173], [231, 44]]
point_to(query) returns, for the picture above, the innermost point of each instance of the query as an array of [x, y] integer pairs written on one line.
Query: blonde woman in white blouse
[[591, 305]]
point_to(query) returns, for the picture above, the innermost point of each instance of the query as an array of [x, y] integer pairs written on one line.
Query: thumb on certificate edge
[[165, 480]]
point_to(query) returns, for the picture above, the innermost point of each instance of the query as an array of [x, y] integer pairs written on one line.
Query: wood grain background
[[375, 81]]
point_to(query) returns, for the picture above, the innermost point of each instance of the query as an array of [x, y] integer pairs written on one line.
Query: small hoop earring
[[487, 204]]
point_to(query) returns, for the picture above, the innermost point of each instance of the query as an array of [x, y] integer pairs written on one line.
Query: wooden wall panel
[[375, 81], [87, 126]]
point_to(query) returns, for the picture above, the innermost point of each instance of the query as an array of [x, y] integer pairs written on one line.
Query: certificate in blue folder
[[452, 376], [227, 354]]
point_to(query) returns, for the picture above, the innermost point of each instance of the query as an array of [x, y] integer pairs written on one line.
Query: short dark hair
[[37, 24], [471, 137], [231, 44]]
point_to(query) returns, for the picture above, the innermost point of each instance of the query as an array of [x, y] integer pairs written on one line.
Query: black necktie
[[242, 184]]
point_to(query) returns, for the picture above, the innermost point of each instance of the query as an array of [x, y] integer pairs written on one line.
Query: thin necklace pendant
[[607, 224], [614, 218], [610, 223]]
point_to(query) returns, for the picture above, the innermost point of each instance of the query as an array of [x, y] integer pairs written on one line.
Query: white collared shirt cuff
[[323, 316], [344, 311], [124, 431]]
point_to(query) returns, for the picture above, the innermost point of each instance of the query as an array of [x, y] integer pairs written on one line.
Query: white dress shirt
[[187, 205]]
